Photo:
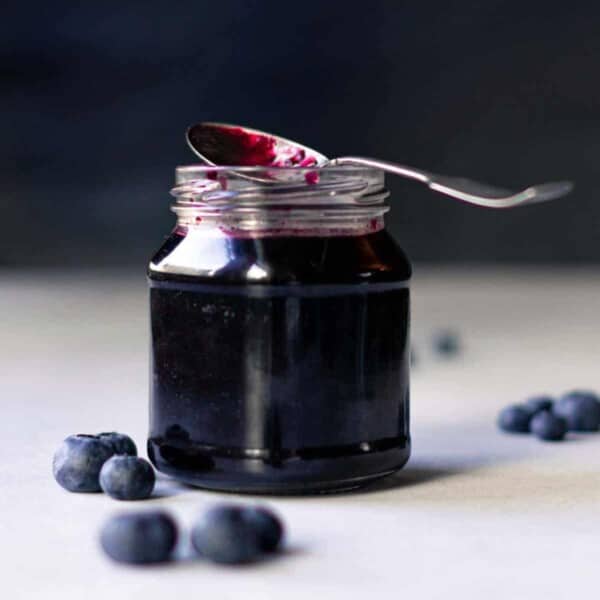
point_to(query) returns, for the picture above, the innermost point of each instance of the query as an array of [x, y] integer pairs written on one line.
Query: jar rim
[[187, 172], [206, 185]]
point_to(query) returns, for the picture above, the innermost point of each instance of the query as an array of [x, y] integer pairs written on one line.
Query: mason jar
[[279, 312]]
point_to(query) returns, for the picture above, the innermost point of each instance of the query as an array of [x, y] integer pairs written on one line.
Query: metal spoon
[[224, 144]]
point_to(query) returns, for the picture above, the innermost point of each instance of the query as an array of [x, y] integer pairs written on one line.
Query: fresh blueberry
[[446, 343], [226, 535], [127, 477], [548, 426], [77, 462], [514, 419], [122, 443], [269, 526], [138, 538], [580, 409], [538, 404]]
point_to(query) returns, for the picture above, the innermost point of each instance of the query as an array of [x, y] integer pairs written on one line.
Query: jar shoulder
[[206, 256]]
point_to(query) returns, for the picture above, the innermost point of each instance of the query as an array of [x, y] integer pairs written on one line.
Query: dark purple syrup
[[233, 145], [280, 364]]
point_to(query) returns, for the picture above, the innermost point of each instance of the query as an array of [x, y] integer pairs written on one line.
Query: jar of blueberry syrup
[[280, 332]]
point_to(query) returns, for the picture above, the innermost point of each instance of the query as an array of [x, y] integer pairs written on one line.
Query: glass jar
[[280, 332]]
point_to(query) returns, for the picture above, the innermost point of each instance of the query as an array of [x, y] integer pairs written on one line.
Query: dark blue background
[[96, 97]]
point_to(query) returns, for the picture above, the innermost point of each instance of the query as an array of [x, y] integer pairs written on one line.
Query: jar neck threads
[[343, 200]]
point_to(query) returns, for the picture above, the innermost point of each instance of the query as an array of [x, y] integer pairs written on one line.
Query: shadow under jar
[[280, 324]]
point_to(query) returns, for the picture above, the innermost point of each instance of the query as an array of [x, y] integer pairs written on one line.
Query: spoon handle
[[466, 190], [384, 165]]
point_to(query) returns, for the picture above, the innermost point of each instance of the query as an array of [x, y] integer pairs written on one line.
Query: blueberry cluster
[[550, 420], [225, 534], [106, 462]]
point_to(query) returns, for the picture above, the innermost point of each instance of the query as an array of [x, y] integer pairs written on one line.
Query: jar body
[[279, 364]]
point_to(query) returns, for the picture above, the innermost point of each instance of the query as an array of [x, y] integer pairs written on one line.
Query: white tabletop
[[475, 514]]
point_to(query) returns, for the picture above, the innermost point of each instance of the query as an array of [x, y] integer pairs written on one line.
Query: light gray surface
[[476, 514]]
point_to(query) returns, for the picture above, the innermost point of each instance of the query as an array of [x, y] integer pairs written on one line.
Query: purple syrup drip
[[312, 177]]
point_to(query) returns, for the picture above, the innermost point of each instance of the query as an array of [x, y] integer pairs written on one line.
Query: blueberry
[[548, 426], [122, 443], [538, 404], [446, 343], [226, 535], [127, 477], [580, 409], [269, 526], [514, 419], [77, 462], [138, 538]]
